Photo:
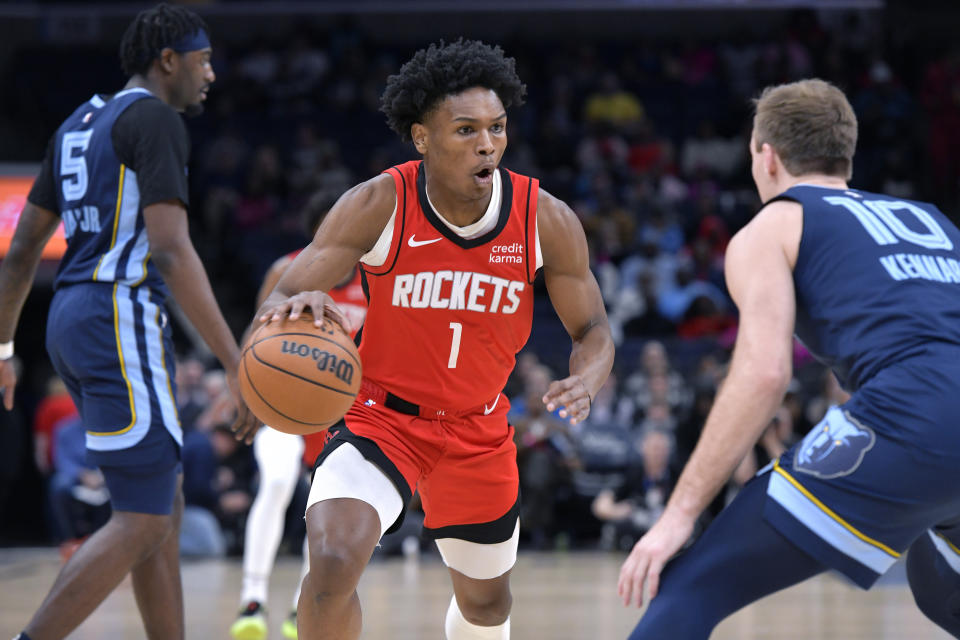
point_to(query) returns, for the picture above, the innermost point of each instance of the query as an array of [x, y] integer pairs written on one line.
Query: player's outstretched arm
[[17, 271], [348, 231], [576, 297], [759, 264]]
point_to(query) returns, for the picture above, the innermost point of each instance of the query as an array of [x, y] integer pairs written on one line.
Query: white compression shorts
[[480, 561], [345, 473]]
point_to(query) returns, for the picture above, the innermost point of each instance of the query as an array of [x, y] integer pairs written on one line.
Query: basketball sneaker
[[289, 628], [251, 623]]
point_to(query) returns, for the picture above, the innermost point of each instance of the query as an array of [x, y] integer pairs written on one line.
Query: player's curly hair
[[151, 31], [445, 69]]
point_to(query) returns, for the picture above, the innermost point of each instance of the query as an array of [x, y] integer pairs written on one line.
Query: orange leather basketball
[[299, 378]]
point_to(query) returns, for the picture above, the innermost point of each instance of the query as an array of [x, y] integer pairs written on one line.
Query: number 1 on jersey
[[455, 345]]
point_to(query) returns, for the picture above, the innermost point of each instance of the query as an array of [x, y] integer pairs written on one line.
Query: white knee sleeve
[[345, 473], [457, 627]]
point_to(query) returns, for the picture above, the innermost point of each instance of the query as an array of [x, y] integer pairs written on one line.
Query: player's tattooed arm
[[576, 297], [348, 231], [17, 271]]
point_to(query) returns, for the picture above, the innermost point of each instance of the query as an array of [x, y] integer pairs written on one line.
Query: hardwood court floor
[[566, 596]]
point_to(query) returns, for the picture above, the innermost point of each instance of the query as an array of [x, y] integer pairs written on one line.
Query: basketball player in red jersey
[[278, 458], [448, 248]]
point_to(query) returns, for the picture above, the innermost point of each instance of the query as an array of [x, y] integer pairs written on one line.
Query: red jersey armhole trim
[[400, 183], [530, 228]]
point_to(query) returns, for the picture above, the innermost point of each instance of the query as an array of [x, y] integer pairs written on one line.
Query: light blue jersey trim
[[125, 327], [126, 224], [946, 550], [825, 526], [158, 368]]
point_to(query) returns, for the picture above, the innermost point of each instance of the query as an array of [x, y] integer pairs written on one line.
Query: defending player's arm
[[177, 261], [759, 263], [17, 271], [348, 231], [576, 297]]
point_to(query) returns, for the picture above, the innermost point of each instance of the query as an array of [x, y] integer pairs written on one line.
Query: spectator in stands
[[200, 533], [79, 498], [631, 509], [218, 479], [708, 150], [688, 430], [191, 396], [52, 412], [218, 409], [636, 312], [676, 301], [546, 455], [658, 417], [655, 381], [612, 104]]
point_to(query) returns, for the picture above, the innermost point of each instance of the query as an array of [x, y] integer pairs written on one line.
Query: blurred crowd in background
[[647, 142]]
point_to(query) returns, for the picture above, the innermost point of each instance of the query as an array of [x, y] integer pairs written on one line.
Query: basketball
[[299, 378]]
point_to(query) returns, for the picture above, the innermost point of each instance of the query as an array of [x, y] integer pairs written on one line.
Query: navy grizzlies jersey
[[99, 200], [877, 280]]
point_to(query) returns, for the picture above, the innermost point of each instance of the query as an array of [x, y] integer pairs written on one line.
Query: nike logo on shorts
[[488, 410], [420, 243]]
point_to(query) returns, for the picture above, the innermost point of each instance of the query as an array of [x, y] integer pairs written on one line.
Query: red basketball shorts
[[464, 465]]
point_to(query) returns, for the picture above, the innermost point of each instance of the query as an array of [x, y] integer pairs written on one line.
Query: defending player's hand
[[572, 396], [322, 306], [8, 381], [246, 425], [649, 556]]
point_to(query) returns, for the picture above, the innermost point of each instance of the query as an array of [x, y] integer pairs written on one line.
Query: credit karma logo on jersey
[[457, 290], [507, 253]]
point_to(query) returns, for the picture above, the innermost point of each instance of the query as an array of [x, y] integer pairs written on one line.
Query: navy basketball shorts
[[871, 477], [111, 345]]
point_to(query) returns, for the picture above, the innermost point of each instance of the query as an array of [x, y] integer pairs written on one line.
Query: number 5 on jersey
[[73, 166]]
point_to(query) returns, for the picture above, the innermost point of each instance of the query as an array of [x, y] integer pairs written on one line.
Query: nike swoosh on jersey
[[420, 243], [488, 410]]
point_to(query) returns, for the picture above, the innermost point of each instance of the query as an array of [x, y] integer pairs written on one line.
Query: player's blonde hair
[[811, 126]]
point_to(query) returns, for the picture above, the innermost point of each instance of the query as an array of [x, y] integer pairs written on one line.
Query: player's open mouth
[[484, 176]]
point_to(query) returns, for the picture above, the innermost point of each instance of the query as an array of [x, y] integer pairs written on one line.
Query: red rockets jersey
[[349, 297], [447, 315]]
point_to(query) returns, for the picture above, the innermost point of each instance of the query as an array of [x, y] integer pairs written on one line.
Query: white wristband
[[6, 350]]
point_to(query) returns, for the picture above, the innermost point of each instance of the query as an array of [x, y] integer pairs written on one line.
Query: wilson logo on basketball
[[325, 360]]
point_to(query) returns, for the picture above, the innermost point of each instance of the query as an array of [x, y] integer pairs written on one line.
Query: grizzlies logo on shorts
[[835, 447]]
